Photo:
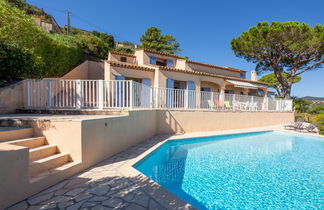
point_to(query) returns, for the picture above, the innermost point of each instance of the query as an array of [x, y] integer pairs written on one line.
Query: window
[[153, 60], [242, 75], [123, 59], [169, 63]]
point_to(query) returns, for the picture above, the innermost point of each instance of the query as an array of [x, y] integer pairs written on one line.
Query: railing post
[[100, 94], [28, 95], [49, 91], [131, 94], [78, 95]]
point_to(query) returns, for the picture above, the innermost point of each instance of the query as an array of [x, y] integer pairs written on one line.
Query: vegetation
[[288, 47], [94, 43], [152, 39], [30, 9], [273, 82], [311, 112], [125, 47], [44, 54]]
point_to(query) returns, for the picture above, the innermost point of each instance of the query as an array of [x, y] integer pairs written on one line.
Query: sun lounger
[[294, 125], [311, 128], [211, 104]]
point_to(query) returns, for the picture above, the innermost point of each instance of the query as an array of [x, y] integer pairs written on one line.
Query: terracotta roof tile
[[207, 74], [214, 66], [130, 66], [122, 54]]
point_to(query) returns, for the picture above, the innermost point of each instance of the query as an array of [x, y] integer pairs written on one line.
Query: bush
[[17, 62], [54, 53]]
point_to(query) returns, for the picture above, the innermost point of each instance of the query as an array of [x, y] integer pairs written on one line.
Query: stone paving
[[100, 187]]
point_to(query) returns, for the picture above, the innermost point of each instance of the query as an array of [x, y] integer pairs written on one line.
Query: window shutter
[[191, 94], [169, 63], [191, 85], [120, 77], [207, 89], [146, 81], [170, 83], [231, 92], [153, 60]]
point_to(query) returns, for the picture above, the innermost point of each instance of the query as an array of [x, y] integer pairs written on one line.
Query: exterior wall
[[201, 68], [11, 98], [96, 70], [140, 57], [114, 71], [146, 58], [86, 70], [116, 58], [200, 121], [213, 86], [79, 72]]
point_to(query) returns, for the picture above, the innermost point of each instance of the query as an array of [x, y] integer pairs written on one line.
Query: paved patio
[[115, 184]]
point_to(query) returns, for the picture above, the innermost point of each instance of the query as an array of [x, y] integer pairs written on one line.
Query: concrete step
[[29, 142], [47, 163], [42, 152], [65, 169], [11, 133]]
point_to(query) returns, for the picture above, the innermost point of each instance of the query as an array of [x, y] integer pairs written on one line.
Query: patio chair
[[227, 105], [236, 105], [294, 125], [219, 103], [211, 104], [311, 128]]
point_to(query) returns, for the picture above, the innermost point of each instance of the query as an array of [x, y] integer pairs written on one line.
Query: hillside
[[313, 98]]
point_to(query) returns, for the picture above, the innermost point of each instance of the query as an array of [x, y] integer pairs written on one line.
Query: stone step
[[65, 168], [48, 163], [29, 142], [12, 133], [42, 152]]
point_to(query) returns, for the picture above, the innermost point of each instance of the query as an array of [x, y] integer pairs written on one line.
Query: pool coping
[[164, 196]]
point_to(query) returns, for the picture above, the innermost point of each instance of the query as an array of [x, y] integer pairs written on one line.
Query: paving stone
[[81, 197], [57, 199], [19, 206], [62, 205], [98, 198], [99, 190], [153, 205], [76, 206], [54, 188], [75, 192], [134, 206], [141, 199], [100, 207], [39, 198], [113, 202], [89, 204]]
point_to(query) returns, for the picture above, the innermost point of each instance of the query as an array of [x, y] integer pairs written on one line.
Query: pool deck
[[115, 184]]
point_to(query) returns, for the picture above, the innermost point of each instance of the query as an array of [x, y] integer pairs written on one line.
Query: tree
[[288, 47], [152, 39], [273, 82], [302, 105]]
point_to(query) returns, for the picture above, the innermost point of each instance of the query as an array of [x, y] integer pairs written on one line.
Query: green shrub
[[318, 118], [55, 53], [17, 62]]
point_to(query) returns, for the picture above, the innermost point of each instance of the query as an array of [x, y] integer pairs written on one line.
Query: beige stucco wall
[[116, 58], [87, 70], [11, 98], [113, 71], [197, 67], [199, 121]]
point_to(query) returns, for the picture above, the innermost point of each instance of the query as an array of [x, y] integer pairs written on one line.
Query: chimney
[[254, 76]]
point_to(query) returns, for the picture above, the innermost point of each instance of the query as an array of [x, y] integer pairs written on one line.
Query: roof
[[214, 66], [161, 53], [241, 84], [122, 54], [209, 74], [130, 66]]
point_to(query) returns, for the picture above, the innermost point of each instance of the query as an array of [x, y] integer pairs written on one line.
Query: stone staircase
[[44, 159]]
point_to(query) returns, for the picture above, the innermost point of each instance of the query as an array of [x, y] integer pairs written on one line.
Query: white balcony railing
[[126, 94]]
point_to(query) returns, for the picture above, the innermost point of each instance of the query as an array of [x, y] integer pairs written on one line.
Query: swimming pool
[[269, 169]]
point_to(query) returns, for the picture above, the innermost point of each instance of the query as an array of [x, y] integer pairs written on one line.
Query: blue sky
[[204, 28]]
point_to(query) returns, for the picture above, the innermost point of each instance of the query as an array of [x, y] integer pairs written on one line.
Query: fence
[[127, 94]]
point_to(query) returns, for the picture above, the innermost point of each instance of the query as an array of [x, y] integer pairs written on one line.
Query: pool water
[[274, 170]]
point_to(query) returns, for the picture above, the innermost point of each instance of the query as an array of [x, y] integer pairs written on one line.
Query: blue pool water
[[273, 170]]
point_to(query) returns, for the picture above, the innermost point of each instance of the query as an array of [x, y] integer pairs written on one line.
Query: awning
[[248, 85]]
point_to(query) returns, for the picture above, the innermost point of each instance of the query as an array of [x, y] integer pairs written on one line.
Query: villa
[[54, 128]]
